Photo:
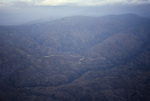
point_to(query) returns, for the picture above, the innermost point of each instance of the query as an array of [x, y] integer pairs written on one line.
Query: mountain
[[78, 58]]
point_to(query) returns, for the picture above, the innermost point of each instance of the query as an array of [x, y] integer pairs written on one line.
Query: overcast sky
[[69, 2], [21, 11]]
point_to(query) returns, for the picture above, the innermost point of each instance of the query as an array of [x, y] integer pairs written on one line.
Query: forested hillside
[[78, 58]]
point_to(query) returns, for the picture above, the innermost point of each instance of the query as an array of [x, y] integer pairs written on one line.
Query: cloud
[[70, 2], [86, 2], [54, 2]]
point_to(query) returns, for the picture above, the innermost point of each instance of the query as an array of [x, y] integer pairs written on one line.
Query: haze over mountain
[[75, 50], [14, 12], [77, 58]]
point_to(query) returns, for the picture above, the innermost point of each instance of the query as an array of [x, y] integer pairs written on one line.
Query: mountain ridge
[[76, 59]]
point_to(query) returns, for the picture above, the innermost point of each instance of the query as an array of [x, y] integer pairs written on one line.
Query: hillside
[[78, 58]]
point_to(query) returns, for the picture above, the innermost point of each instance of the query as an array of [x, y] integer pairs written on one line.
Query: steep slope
[[76, 58], [74, 35]]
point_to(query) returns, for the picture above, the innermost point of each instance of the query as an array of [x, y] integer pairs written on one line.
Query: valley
[[78, 58]]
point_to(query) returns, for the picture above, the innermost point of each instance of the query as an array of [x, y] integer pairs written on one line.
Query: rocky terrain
[[79, 58]]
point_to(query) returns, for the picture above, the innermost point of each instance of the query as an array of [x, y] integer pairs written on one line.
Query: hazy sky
[[21, 11], [68, 2]]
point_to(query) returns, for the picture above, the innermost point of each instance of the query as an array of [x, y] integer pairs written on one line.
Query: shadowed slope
[[76, 59]]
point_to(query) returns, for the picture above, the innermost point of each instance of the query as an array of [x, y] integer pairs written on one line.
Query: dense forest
[[78, 58]]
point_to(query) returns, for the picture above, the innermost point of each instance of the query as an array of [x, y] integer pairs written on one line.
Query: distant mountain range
[[78, 58]]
